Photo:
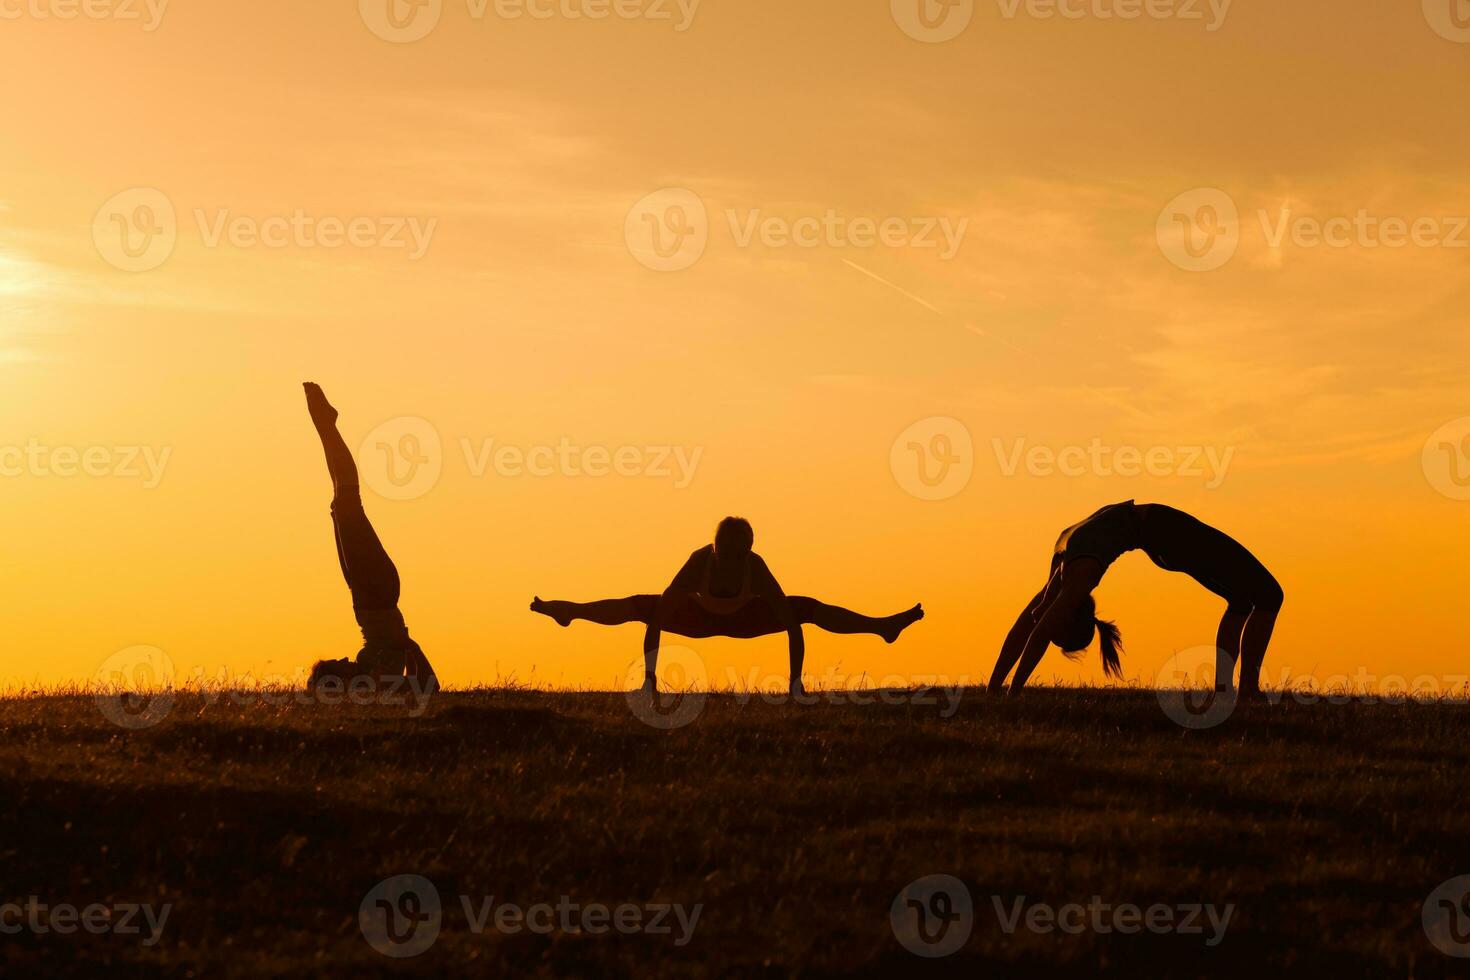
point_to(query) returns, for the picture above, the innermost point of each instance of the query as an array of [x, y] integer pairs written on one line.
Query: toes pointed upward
[[316, 403]]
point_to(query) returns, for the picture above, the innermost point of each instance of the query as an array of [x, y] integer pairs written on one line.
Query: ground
[[265, 826]]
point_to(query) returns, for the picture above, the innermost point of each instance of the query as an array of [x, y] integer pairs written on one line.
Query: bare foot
[[322, 412], [556, 609], [897, 624]]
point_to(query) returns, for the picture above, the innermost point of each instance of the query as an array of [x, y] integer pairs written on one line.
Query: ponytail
[[1110, 645], [1076, 636]]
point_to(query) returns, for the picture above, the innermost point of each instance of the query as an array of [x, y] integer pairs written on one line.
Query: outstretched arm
[[765, 585], [1079, 578], [1015, 642], [685, 582]]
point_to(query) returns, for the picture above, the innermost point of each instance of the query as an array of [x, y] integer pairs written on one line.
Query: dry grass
[[795, 827]]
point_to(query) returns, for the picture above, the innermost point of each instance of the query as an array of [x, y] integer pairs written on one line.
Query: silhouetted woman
[[387, 652], [725, 589], [1064, 612]]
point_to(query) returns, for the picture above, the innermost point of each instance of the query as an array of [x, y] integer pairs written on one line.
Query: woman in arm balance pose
[[726, 589], [1065, 613], [388, 654]]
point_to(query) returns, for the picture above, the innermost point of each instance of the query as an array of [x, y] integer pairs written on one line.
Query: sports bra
[[719, 604], [1104, 536]]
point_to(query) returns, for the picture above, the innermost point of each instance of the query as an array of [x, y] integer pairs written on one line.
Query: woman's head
[[337, 673], [734, 538], [1076, 636]]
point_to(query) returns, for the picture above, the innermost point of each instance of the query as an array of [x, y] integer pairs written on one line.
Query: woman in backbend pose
[[725, 589], [1064, 612], [388, 653]]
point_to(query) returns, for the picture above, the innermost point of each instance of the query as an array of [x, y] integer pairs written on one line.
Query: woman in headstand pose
[[1065, 613], [725, 589], [387, 653]]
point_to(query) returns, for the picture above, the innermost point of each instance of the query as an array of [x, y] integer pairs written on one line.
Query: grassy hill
[[266, 828]]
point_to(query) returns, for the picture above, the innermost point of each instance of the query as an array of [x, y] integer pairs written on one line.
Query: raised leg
[[340, 463], [604, 612], [757, 619], [836, 619], [371, 575]]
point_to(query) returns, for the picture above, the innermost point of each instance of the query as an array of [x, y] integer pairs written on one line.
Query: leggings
[[371, 576], [686, 617], [1180, 543]]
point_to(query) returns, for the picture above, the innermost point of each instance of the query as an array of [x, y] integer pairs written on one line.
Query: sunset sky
[[519, 146]]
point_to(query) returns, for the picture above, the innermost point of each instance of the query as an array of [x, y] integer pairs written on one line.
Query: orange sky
[[518, 146]]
